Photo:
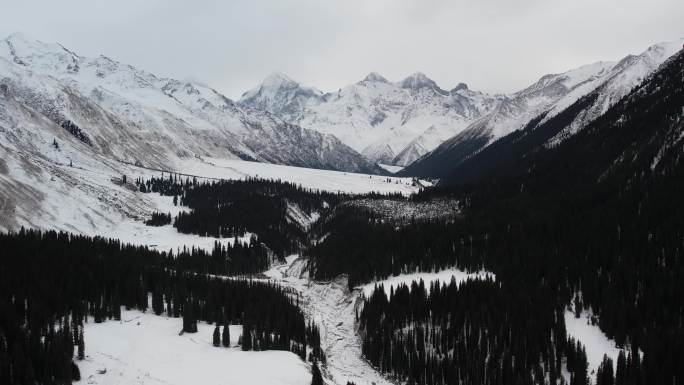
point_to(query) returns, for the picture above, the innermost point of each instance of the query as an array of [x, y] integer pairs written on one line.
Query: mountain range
[[415, 120], [601, 85], [135, 116]]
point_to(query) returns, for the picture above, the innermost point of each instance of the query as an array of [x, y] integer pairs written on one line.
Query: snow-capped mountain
[[134, 116], [607, 82], [388, 122], [281, 95]]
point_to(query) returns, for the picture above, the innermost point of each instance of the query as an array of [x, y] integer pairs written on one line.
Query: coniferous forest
[[51, 283], [476, 333], [232, 208]]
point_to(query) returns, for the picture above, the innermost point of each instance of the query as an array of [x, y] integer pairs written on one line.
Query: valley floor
[[90, 199], [146, 349]]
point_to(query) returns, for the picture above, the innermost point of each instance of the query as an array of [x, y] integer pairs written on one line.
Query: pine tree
[[157, 302], [246, 337], [226, 336], [621, 370], [81, 346], [316, 377], [604, 374], [217, 336], [75, 372]]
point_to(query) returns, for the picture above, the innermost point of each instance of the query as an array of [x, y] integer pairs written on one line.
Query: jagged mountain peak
[[418, 80], [374, 77], [281, 95], [377, 117], [24, 50], [459, 87], [21, 38], [278, 79]]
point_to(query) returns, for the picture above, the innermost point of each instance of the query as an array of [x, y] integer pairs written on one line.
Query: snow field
[[327, 180], [592, 338], [146, 349]]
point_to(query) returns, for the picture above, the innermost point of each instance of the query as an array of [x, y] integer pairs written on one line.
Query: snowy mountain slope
[[549, 96], [133, 115], [376, 117], [77, 187], [281, 95], [627, 74]]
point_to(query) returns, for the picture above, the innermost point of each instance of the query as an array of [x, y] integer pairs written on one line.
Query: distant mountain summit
[[604, 82], [388, 122], [280, 95], [135, 116]]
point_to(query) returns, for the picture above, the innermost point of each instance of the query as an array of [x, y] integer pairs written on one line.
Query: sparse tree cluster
[[159, 219]]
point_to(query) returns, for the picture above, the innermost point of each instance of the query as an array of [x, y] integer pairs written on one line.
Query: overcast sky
[[493, 45]]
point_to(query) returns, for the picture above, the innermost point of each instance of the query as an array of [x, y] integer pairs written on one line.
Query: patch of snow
[[591, 336], [298, 216], [390, 168], [146, 349], [328, 180]]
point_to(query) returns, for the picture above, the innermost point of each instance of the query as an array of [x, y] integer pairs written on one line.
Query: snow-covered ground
[[444, 276], [40, 189], [595, 341], [146, 349], [391, 168], [334, 181]]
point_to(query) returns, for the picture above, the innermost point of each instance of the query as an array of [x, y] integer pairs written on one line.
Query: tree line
[[479, 333]]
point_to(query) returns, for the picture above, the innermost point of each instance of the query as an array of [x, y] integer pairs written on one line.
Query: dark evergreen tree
[[75, 372], [217, 336], [226, 336], [604, 373], [316, 377], [81, 345]]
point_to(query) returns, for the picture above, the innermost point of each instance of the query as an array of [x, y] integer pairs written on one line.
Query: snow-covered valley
[[283, 211]]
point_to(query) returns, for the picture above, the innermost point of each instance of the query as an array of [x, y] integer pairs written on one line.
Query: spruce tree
[[604, 374], [246, 337], [75, 372], [81, 346], [316, 377], [226, 336], [217, 336]]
